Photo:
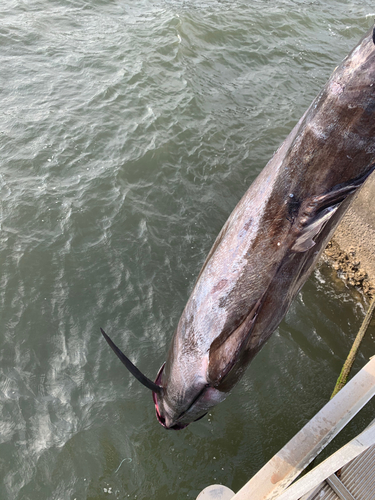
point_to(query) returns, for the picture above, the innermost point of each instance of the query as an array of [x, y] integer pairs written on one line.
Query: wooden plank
[[333, 463], [339, 488], [310, 495], [358, 475], [292, 459]]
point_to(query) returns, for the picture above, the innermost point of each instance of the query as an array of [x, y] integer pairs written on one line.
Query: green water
[[128, 132]]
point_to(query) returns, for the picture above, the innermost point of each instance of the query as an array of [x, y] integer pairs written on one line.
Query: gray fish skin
[[271, 242]]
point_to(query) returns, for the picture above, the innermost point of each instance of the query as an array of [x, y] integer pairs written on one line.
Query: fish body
[[270, 244]]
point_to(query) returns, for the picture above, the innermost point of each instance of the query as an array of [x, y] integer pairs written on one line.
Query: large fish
[[269, 245]]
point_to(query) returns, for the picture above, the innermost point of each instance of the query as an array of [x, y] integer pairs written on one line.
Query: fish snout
[[164, 418], [162, 414], [170, 424]]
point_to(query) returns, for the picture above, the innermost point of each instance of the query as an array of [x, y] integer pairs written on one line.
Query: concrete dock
[[352, 249]]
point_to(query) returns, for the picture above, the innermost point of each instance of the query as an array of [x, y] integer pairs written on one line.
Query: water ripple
[[128, 134]]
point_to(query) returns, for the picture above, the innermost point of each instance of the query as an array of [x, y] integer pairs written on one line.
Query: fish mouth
[[160, 418]]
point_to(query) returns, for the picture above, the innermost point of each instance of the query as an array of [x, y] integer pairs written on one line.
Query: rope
[[341, 381]]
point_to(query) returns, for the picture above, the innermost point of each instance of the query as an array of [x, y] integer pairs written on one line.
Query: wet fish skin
[[271, 243]]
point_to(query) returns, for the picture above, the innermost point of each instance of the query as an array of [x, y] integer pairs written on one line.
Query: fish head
[[194, 381], [187, 394], [180, 396]]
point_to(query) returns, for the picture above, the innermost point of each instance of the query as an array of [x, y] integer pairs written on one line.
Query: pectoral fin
[[305, 240], [315, 212], [224, 353]]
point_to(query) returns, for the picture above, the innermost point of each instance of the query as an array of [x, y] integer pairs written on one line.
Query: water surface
[[128, 133]]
